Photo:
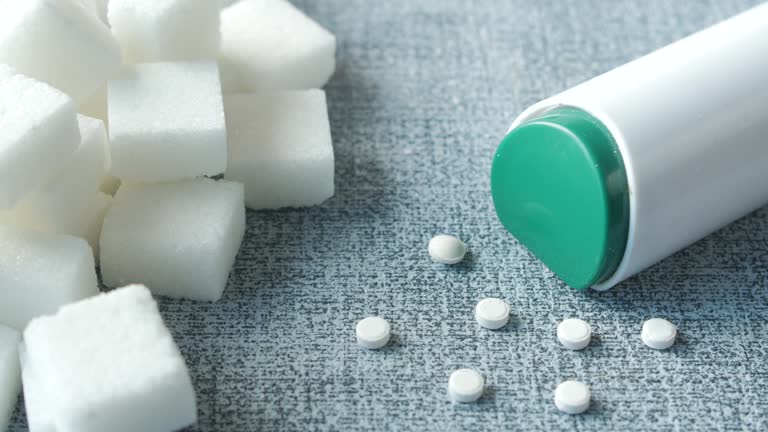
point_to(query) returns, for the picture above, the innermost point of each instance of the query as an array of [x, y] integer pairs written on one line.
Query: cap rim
[[559, 186]]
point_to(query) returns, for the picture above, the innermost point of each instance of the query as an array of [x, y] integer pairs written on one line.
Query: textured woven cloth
[[423, 93]]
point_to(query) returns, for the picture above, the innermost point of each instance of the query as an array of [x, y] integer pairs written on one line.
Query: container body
[[691, 123]]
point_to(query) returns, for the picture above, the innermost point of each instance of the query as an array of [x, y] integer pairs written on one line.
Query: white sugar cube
[[89, 6], [180, 239], [82, 218], [93, 220], [40, 272], [102, 7], [93, 153], [10, 378], [38, 130], [35, 397], [88, 225], [58, 42], [96, 105], [82, 175], [166, 122], [166, 30], [269, 44], [106, 364], [64, 204], [280, 148], [110, 184], [96, 7], [227, 3]]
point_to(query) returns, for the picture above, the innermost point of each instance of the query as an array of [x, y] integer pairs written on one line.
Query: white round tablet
[[373, 332], [446, 249], [572, 397], [492, 313], [574, 333], [658, 333], [466, 385]]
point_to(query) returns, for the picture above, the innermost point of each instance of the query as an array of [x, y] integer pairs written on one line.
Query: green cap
[[559, 186]]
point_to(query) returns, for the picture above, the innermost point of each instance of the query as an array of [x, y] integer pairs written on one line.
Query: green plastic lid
[[559, 186]]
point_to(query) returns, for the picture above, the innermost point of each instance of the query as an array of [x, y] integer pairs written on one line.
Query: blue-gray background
[[424, 91]]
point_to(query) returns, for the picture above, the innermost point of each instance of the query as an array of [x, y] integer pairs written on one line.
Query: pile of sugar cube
[[133, 134]]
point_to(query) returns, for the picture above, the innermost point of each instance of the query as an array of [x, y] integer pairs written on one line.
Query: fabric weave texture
[[423, 93]]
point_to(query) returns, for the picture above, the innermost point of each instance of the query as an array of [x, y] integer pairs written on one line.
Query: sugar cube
[[64, 203], [58, 42], [107, 363], [93, 220], [10, 379], [280, 148], [166, 30], [102, 8], [227, 3], [81, 219], [89, 6], [88, 225], [269, 44], [166, 122], [39, 272], [180, 239], [38, 129], [96, 7], [35, 402], [96, 105], [110, 184], [82, 175], [93, 153]]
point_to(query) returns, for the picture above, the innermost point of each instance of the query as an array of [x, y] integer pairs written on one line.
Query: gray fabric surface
[[424, 91]]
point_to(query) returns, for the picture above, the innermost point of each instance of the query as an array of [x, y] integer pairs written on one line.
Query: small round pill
[[658, 333], [574, 334], [492, 313], [572, 397], [465, 385], [372, 332], [446, 249]]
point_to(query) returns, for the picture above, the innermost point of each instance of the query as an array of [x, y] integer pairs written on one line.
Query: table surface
[[423, 93]]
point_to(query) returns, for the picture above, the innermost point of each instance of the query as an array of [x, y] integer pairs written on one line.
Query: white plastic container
[[689, 123]]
